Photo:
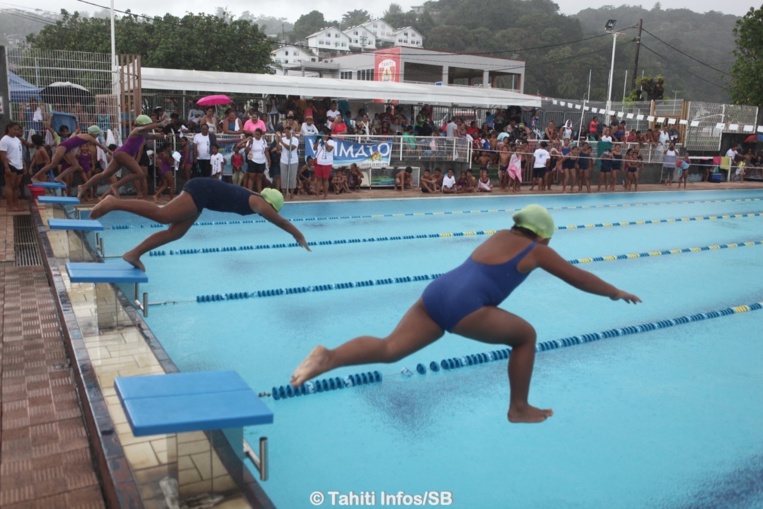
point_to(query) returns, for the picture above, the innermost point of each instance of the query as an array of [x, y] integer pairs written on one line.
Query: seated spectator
[[338, 127], [194, 118], [230, 124], [209, 118], [404, 179], [437, 179], [355, 177], [483, 184], [448, 183], [306, 178], [464, 183], [427, 183], [339, 181], [254, 123]]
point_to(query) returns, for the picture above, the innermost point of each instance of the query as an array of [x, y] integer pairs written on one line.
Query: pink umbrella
[[213, 100]]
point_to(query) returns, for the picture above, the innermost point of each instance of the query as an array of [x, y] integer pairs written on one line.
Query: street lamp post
[[610, 27]]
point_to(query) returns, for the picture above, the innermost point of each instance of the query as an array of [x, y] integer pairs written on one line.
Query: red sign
[[387, 65]]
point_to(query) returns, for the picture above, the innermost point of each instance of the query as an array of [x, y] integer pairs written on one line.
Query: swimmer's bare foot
[[133, 260], [528, 414], [114, 189], [103, 207], [314, 364]]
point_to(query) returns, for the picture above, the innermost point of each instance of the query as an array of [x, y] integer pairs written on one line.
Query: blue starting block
[[88, 225], [183, 402], [49, 185], [58, 200], [105, 273], [218, 402], [109, 313]]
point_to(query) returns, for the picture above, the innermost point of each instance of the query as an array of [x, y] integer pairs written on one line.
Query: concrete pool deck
[[47, 455]]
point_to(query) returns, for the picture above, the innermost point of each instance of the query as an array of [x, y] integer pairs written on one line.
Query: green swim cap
[[536, 219], [94, 130], [273, 197], [143, 120]]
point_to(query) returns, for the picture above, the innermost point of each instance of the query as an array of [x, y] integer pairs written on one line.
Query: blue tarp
[[21, 89]]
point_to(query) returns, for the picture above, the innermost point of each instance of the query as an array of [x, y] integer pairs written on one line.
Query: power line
[[686, 54], [684, 68]]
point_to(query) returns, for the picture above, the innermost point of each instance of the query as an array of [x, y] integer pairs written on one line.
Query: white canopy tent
[[268, 84]]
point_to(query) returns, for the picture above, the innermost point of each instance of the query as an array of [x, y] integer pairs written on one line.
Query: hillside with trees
[[691, 53]]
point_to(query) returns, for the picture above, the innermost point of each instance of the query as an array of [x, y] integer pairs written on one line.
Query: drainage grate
[[25, 246]]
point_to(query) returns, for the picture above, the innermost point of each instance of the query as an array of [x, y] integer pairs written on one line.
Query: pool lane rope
[[226, 249], [217, 297], [453, 363], [442, 213]]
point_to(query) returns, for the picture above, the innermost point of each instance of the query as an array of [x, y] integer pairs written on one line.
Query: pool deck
[[46, 457]]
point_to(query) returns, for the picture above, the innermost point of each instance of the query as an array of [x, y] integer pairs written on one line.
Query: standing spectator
[[257, 159], [186, 157], [451, 128], [669, 163], [11, 157], [33, 115], [332, 114], [324, 150], [202, 145], [541, 158], [289, 162], [216, 161], [593, 129], [166, 164], [237, 162]]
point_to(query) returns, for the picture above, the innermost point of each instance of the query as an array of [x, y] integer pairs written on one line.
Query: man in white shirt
[[541, 158], [332, 114], [451, 128], [11, 157], [732, 153], [217, 161], [309, 128], [202, 144], [194, 116], [289, 162], [324, 159]]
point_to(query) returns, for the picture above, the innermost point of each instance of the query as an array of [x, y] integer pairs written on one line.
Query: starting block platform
[[177, 405], [49, 185], [88, 225], [105, 273], [58, 200], [184, 402]]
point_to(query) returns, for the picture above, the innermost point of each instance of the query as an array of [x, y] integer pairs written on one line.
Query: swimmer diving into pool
[[465, 301], [198, 194]]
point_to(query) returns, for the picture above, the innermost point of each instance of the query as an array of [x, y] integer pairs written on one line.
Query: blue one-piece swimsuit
[[213, 194], [470, 286]]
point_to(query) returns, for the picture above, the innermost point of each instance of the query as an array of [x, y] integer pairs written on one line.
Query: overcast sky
[[331, 9]]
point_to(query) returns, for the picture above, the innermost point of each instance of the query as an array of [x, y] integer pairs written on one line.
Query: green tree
[[166, 41], [747, 70], [396, 18], [354, 18], [309, 24]]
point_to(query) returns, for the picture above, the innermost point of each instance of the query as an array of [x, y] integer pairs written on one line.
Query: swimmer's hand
[[627, 297], [301, 241]]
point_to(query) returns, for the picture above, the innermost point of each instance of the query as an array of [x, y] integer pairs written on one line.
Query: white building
[[286, 55], [382, 30], [328, 39], [408, 36], [361, 38]]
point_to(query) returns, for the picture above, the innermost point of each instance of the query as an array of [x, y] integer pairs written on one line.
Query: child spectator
[[217, 161]]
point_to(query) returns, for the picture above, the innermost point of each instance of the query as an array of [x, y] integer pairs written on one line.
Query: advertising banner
[[365, 155]]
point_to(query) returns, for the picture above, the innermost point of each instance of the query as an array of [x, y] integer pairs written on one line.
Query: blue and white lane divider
[[287, 391], [441, 213], [217, 297], [225, 249]]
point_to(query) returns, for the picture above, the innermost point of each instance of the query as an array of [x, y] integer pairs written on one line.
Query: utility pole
[[638, 46]]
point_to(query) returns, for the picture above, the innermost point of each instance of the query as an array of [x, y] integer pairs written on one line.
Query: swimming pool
[[667, 418]]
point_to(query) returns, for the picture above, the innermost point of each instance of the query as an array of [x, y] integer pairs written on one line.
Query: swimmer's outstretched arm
[[550, 261], [266, 211]]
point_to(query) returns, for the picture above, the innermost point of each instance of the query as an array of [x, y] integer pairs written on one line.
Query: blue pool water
[[668, 418]]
